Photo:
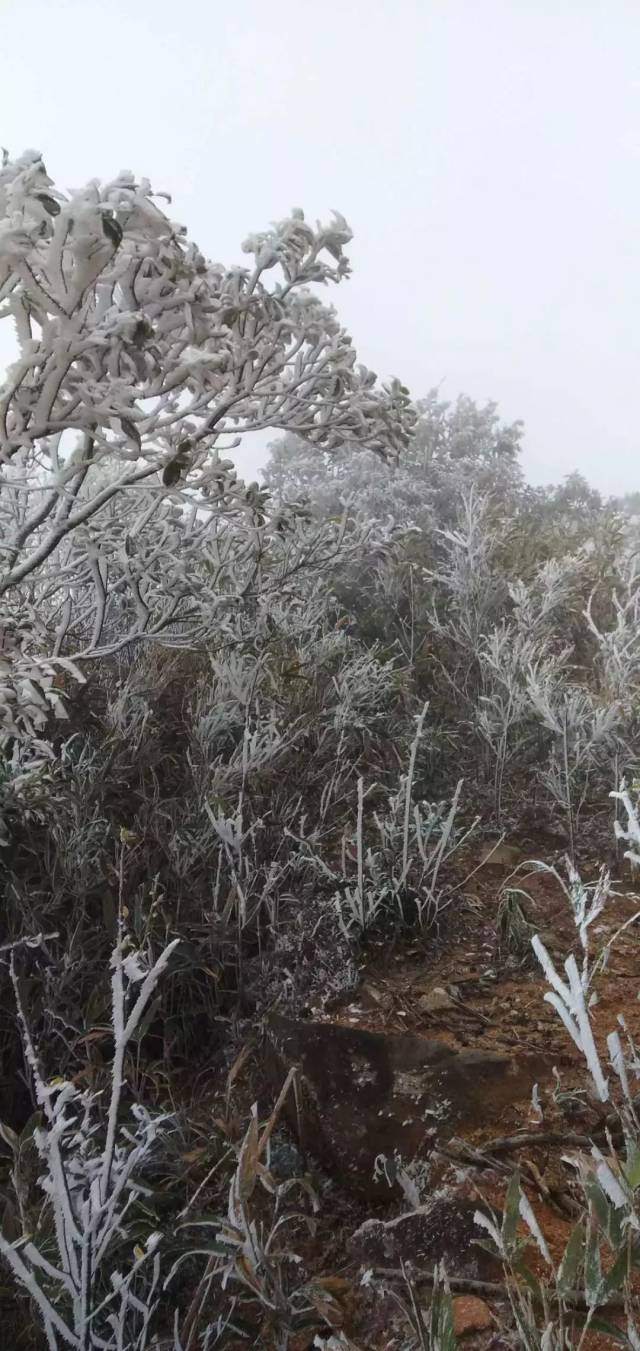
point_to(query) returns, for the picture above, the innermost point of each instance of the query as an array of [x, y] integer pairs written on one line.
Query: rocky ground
[[414, 1098], [432, 1063]]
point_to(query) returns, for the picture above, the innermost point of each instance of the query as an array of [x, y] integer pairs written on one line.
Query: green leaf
[[10, 1225], [616, 1277], [172, 472], [112, 229], [616, 1335], [511, 1213], [147, 1019], [31, 1126], [10, 1138], [204, 1220], [129, 428], [600, 1203], [521, 1269], [529, 1336], [571, 1260], [592, 1266], [440, 1335], [632, 1165], [616, 1228], [609, 1217], [49, 203], [109, 915], [248, 1159]]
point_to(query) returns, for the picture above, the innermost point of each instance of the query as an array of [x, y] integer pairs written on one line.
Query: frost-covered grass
[[593, 1284], [90, 1287], [246, 729]]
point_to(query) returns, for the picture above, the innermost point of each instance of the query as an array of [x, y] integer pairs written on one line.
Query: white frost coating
[[569, 1002], [608, 1181], [139, 363], [633, 1336], [632, 832], [484, 1222], [89, 1183], [618, 1062], [530, 1220]]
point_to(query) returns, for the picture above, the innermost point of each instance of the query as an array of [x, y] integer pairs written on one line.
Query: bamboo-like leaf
[[602, 1206], [614, 1279], [603, 1325], [511, 1213], [571, 1260], [592, 1265], [632, 1164], [248, 1159], [521, 1269], [9, 1136]]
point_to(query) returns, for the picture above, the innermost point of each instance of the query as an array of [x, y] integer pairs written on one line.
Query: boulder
[[363, 1094], [443, 1229]]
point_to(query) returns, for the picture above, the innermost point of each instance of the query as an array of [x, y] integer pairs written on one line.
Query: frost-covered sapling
[[91, 1290]]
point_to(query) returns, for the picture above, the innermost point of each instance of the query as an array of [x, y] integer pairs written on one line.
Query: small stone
[[470, 1314], [435, 1001]]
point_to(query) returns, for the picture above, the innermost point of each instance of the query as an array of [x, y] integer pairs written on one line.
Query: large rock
[[363, 1094], [442, 1230]]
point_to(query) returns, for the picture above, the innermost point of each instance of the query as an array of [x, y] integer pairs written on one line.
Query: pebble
[[470, 1314], [435, 1000]]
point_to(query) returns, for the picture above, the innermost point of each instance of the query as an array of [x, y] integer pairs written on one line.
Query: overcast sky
[[485, 153]]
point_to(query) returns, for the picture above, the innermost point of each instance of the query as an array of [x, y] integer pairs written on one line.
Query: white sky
[[485, 153]]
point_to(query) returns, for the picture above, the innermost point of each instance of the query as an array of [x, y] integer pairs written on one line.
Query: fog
[[486, 157]]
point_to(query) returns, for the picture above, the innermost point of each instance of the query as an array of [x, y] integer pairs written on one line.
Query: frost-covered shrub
[[507, 607], [585, 737], [288, 712], [92, 1287], [598, 1269]]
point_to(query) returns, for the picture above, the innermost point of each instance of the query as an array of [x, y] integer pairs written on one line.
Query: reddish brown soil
[[499, 1005]]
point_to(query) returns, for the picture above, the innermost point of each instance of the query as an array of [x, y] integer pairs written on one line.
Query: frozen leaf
[[49, 203], [112, 229]]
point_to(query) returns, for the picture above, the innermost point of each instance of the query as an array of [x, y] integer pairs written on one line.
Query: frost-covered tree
[[455, 448], [453, 445], [140, 365]]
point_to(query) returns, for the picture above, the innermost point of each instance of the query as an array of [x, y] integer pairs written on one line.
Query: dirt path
[[474, 990]]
